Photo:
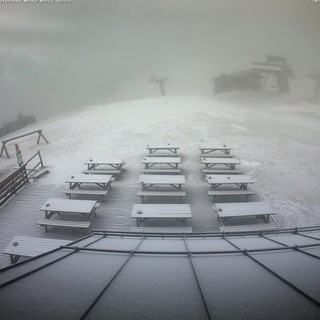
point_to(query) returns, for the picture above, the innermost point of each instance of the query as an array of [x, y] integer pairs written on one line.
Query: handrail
[[37, 164], [13, 183], [33, 157], [18, 179], [21, 136], [34, 168]]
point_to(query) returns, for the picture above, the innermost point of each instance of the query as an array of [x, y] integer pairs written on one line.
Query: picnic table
[[244, 209], [24, 246], [175, 181], [167, 147], [55, 205], [147, 181], [208, 148], [211, 162], [172, 162], [116, 164], [241, 180], [103, 181], [142, 212]]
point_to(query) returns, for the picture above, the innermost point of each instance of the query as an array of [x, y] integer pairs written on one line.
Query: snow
[[278, 143]]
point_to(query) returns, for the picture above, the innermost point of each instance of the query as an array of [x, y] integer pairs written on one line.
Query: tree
[[20, 122], [160, 81], [315, 75]]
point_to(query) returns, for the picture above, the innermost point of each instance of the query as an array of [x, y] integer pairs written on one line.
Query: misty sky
[[56, 57]]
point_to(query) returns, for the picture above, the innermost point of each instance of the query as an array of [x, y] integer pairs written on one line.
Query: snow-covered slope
[[278, 143]]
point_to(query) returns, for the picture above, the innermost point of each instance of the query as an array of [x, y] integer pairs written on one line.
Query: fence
[[4, 142]]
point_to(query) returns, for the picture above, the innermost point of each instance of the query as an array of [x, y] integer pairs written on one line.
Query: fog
[[55, 57]]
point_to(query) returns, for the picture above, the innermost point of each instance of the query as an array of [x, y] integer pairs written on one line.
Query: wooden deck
[[19, 216]]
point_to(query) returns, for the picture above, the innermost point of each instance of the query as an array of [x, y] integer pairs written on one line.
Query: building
[[275, 72], [113, 275], [245, 79]]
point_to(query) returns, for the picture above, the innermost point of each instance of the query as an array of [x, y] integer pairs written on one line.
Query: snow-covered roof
[[240, 73], [109, 275]]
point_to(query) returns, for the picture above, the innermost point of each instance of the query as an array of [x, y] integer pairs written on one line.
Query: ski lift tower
[[275, 72]]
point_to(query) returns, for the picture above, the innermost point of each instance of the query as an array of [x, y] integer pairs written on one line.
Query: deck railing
[[12, 184], [39, 163]]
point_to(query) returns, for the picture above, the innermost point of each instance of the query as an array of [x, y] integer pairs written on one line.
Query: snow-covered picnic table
[[175, 181], [104, 166], [241, 180], [24, 246], [244, 209], [170, 148], [56, 205], [142, 212], [113, 163], [210, 162], [171, 162], [102, 181], [208, 150]]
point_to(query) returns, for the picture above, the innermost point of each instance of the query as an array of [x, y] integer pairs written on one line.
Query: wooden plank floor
[[19, 216]]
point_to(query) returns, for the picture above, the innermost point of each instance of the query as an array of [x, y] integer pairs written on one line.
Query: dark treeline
[[20, 122]]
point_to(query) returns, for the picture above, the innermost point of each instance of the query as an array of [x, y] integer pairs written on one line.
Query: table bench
[[216, 155], [249, 227], [163, 154], [180, 212], [219, 193], [179, 194], [221, 171], [161, 170], [102, 171], [63, 223], [101, 193], [23, 246]]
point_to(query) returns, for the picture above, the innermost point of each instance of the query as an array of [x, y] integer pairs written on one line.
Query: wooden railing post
[[40, 158], [3, 148], [41, 135], [13, 187], [26, 173]]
